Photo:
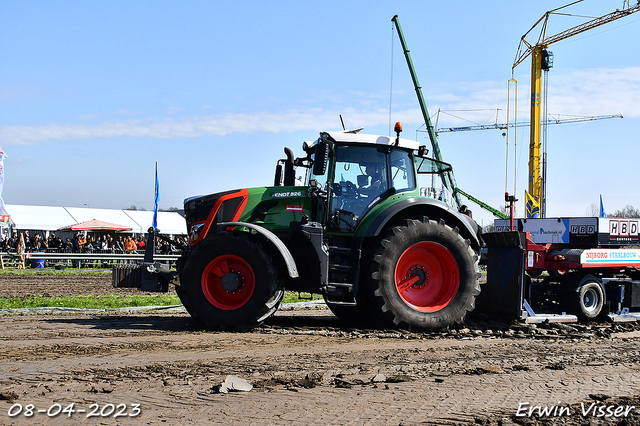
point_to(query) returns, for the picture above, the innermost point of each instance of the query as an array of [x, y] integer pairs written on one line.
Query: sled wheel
[[230, 282], [590, 300], [425, 276]]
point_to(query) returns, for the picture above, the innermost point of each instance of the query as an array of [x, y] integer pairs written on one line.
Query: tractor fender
[[415, 208], [273, 239]]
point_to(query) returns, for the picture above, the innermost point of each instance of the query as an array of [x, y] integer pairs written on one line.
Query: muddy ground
[[305, 367]]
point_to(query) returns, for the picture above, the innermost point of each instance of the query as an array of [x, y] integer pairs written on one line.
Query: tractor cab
[[352, 174]]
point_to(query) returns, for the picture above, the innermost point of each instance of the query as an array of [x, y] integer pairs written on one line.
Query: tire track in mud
[[313, 372], [306, 367]]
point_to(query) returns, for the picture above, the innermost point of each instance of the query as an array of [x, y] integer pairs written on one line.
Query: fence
[[94, 259]]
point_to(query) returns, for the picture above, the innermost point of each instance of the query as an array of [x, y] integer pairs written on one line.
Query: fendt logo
[[623, 228]]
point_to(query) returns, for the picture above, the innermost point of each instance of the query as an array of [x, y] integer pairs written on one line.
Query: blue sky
[[93, 94]]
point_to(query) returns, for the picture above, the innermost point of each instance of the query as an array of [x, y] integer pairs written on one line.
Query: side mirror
[[321, 159]]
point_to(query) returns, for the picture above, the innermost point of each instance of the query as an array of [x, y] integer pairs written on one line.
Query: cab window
[[360, 176], [401, 170]]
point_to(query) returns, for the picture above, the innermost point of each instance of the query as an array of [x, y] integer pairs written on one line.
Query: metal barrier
[[104, 259]]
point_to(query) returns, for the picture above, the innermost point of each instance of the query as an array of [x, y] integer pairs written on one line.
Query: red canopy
[[95, 225]]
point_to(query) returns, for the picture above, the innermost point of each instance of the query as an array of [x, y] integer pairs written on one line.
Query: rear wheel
[[230, 283], [589, 301], [425, 276]]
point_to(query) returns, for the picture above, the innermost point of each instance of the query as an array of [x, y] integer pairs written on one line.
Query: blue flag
[[602, 212], [155, 208]]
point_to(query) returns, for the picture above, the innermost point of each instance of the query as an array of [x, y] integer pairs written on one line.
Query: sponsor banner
[[541, 231], [501, 225], [620, 231], [610, 257], [583, 231], [577, 231]]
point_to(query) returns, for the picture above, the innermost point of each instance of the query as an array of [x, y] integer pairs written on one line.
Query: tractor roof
[[345, 137]]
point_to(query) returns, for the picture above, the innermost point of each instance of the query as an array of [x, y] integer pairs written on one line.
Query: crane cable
[[515, 136], [391, 84]]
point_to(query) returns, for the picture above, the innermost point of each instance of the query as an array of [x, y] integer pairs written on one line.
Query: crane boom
[[521, 55], [504, 126], [541, 59]]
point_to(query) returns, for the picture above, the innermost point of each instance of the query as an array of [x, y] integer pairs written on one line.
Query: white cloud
[[198, 126], [601, 91], [580, 92], [594, 92]]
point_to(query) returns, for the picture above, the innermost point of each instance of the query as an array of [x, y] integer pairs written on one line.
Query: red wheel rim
[[427, 276], [228, 282]]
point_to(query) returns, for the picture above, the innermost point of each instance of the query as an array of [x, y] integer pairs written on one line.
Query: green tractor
[[358, 231]]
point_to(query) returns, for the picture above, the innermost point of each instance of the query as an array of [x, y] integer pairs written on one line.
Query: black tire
[[424, 276], [356, 316], [230, 282], [345, 313], [589, 301], [181, 296]]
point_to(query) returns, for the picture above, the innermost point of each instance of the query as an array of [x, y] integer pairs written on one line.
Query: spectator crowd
[[81, 243]]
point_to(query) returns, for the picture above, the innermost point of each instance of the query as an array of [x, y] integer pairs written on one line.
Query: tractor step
[[343, 264], [343, 276], [340, 294]]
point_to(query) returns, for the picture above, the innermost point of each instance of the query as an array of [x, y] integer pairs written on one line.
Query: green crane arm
[[485, 206], [449, 180]]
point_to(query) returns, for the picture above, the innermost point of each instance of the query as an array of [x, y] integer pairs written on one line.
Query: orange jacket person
[[129, 245]]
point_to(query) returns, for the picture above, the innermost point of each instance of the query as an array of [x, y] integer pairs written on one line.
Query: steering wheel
[[346, 189], [351, 190]]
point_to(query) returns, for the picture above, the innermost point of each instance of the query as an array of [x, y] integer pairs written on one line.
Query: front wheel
[[230, 282], [425, 276]]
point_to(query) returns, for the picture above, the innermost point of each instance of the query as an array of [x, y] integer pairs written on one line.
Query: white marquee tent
[[49, 218]]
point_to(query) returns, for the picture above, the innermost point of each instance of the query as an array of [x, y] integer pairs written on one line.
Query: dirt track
[[305, 368]]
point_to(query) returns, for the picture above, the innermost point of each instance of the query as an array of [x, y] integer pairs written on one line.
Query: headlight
[[194, 234]]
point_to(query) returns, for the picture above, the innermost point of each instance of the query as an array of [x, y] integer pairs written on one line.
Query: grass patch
[[52, 271], [113, 301], [293, 297], [91, 301]]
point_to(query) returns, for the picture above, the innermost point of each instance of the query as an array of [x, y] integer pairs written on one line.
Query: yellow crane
[[542, 59]]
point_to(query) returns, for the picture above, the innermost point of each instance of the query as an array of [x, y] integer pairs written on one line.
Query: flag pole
[[150, 248], [157, 199]]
